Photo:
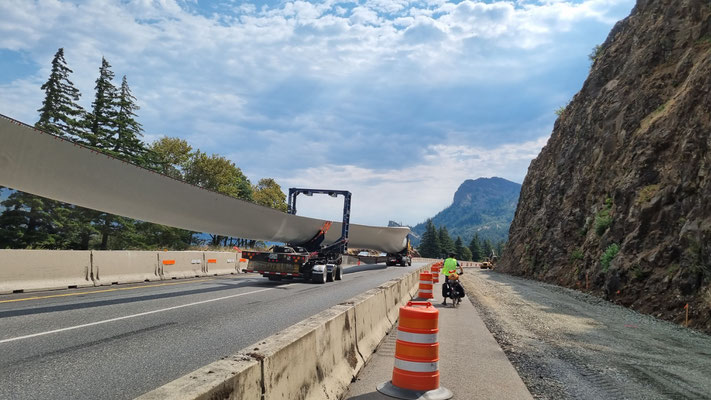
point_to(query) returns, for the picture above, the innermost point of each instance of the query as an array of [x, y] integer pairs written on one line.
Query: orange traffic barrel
[[425, 291], [416, 370], [435, 273]]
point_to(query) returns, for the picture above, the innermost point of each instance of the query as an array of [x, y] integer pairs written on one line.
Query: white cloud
[[415, 192], [306, 80]]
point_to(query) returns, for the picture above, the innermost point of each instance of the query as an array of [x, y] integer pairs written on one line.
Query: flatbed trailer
[[287, 262], [310, 260]]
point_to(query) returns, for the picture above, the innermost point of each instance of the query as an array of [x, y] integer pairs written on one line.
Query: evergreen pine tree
[[445, 241], [60, 114], [487, 248], [459, 248], [475, 248], [128, 144], [429, 246], [102, 120], [466, 254]]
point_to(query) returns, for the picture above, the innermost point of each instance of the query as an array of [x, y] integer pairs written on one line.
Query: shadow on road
[[218, 286]]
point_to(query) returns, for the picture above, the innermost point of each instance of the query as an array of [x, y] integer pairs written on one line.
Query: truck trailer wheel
[[319, 278], [339, 273], [330, 275]]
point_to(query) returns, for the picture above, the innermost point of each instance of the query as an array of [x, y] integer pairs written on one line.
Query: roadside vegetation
[[437, 243], [111, 127]]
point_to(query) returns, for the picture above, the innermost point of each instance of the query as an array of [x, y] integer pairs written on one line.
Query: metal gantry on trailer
[[308, 260]]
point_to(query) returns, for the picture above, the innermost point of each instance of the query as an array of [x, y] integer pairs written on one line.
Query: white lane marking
[[131, 316]]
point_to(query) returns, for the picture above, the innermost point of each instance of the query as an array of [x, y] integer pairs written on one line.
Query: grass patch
[[603, 219], [609, 255], [576, 255], [646, 194]]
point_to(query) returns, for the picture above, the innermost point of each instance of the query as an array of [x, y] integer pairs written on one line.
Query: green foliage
[[646, 194], [445, 241], [429, 246], [487, 248], [595, 53], [268, 193], [576, 255], [608, 255], [560, 110], [60, 114], [127, 143], [466, 254], [102, 119], [459, 248], [672, 269], [475, 248], [171, 156], [219, 174], [603, 219]]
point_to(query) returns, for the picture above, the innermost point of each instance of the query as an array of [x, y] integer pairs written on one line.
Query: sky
[[397, 101]]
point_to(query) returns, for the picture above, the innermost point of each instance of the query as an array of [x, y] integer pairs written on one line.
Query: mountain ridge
[[484, 206]]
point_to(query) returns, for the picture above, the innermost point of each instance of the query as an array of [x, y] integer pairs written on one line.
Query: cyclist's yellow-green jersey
[[450, 265]]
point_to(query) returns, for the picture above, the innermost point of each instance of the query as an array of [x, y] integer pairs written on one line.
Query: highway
[[118, 342]]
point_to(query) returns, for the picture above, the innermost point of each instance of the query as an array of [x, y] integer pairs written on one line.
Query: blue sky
[[398, 101]]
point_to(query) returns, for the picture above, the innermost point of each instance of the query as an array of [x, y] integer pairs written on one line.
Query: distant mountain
[[485, 206]]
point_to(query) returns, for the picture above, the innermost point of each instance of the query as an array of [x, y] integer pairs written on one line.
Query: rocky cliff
[[618, 202]]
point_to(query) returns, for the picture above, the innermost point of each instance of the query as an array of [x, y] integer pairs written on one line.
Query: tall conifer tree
[[60, 114], [102, 120], [128, 131], [429, 246]]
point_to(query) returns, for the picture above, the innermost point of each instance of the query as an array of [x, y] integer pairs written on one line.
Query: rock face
[[485, 206], [618, 203]]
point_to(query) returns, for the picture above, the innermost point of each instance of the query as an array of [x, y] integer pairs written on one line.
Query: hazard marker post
[[416, 369]]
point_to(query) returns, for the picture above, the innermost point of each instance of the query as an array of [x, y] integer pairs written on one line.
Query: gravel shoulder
[[570, 345]]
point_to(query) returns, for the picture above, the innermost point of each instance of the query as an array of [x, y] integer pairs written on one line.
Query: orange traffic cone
[[425, 286], [435, 273], [416, 370]]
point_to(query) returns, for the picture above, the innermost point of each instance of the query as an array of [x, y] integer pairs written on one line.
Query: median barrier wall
[[391, 290], [113, 267], [25, 270], [236, 377], [325, 347], [221, 262], [372, 321], [181, 264]]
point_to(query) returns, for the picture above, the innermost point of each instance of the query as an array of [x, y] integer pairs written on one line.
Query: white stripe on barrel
[[425, 291], [416, 366], [423, 338]]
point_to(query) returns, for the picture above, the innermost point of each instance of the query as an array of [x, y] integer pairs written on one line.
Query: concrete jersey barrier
[[25, 270], [113, 267], [221, 262], [181, 264]]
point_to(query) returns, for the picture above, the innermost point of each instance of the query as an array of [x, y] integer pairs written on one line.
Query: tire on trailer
[[338, 273], [319, 278], [329, 275]]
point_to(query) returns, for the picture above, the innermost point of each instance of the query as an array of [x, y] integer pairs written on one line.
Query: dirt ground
[[569, 345]]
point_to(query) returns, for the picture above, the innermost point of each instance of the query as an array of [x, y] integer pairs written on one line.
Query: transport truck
[[402, 258], [311, 260]]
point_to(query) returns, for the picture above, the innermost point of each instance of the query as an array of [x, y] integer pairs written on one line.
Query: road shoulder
[[472, 365]]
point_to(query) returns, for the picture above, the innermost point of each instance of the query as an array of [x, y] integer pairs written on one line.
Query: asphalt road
[[121, 341]]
